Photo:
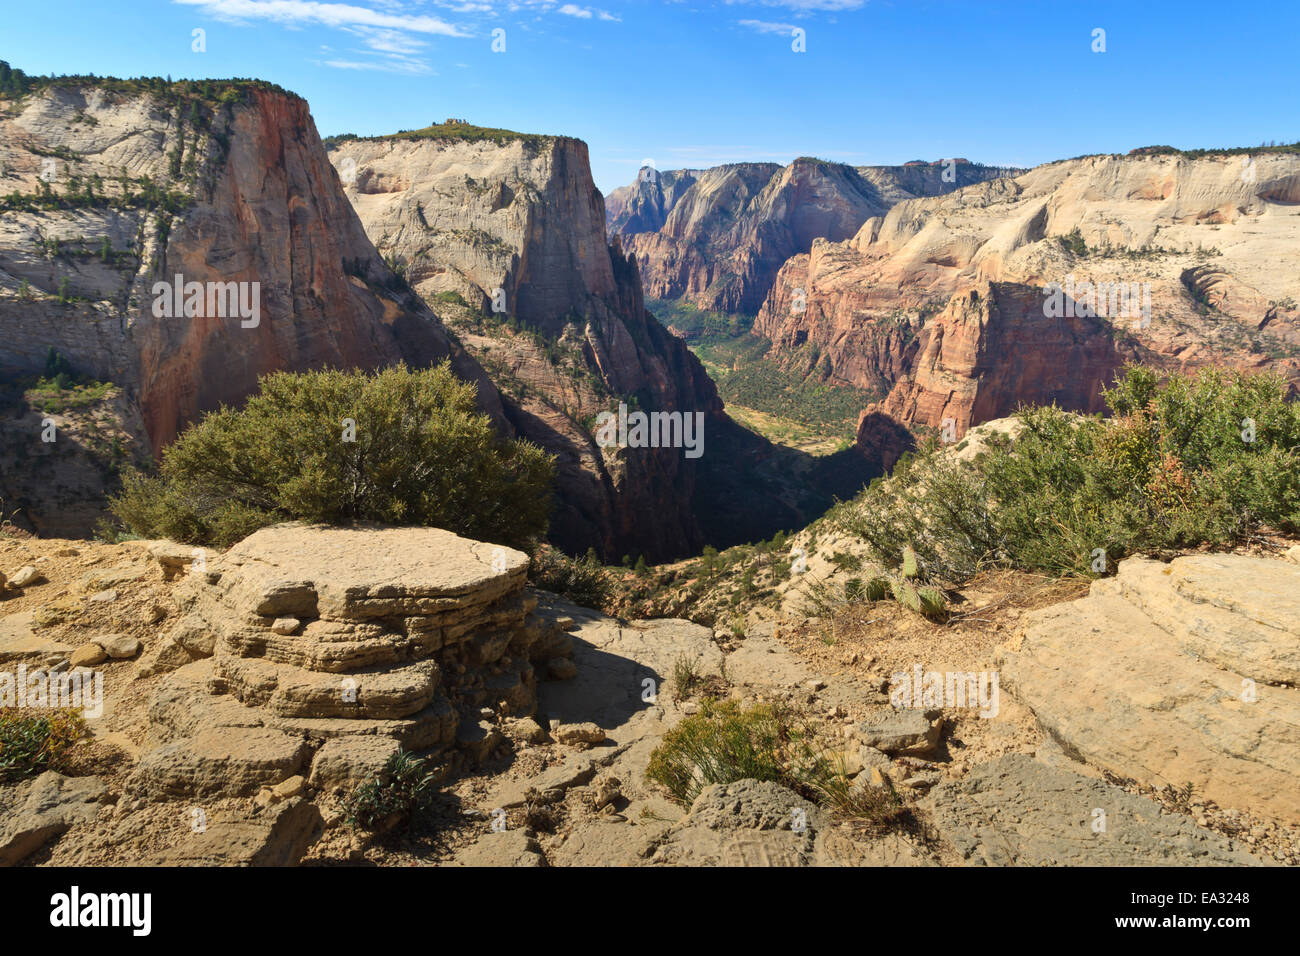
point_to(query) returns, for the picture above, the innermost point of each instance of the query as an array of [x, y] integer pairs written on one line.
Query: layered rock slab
[[1172, 675], [319, 634], [1016, 811]]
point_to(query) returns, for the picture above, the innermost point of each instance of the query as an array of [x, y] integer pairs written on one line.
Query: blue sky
[[697, 83]]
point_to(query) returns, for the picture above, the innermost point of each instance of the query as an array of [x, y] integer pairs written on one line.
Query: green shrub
[[723, 743], [403, 788], [32, 742], [422, 455], [1196, 460], [583, 581]]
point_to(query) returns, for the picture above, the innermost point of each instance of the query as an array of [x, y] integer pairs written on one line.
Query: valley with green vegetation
[[771, 398]]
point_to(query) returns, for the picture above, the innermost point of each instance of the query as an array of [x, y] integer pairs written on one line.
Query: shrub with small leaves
[[417, 452]]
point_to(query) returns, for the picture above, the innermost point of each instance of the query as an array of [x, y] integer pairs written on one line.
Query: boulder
[[25, 577], [586, 734], [905, 732], [119, 646], [88, 655]]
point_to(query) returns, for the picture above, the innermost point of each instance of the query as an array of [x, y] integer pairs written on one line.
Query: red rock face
[[276, 217], [992, 350], [940, 304], [262, 206]]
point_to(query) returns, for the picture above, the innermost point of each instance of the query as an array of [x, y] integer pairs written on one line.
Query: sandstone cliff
[[644, 205], [720, 240], [112, 186], [942, 299], [505, 236]]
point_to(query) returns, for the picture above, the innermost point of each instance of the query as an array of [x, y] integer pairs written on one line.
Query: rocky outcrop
[[1175, 675], [1208, 243], [321, 636], [506, 238], [719, 241], [112, 187], [1016, 811]]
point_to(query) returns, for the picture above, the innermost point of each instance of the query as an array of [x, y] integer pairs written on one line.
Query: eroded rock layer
[[333, 646]]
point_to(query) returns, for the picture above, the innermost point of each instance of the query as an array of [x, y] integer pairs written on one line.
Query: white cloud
[[573, 10], [404, 66], [339, 15], [766, 26], [807, 6]]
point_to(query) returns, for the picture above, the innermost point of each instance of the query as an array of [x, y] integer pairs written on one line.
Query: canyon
[[489, 253], [505, 236], [943, 305], [717, 237]]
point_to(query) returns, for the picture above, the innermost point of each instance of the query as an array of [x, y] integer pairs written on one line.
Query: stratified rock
[[940, 304], [265, 186], [397, 632], [165, 655], [719, 241], [512, 225], [1162, 675], [349, 761], [19, 639], [35, 811], [1016, 811], [225, 761]]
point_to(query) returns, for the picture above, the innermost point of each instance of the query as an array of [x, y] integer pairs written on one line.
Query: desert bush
[[1195, 460], [723, 743], [403, 788], [32, 742], [878, 808], [422, 454], [583, 581]]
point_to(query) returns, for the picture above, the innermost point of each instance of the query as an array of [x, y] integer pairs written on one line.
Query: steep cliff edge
[[717, 237], [110, 187], [505, 236], [1180, 261]]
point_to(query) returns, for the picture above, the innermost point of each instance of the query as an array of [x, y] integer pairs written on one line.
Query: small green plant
[[878, 808], [686, 676], [32, 742], [403, 788], [723, 743]]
